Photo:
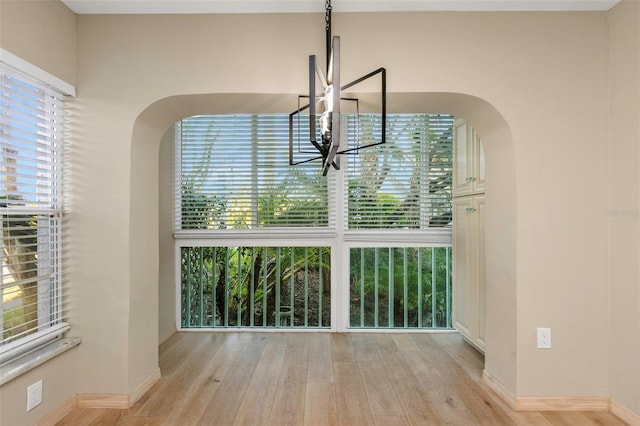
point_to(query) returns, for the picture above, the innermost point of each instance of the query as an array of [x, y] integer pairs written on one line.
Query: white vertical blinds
[[31, 136], [233, 173], [406, 182]]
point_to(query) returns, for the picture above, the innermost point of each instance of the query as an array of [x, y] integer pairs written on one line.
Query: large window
[[234, 174], [405, 183], [264, 244], [31, 130]]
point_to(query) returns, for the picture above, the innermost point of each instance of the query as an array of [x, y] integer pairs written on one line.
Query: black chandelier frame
[[329, 147]]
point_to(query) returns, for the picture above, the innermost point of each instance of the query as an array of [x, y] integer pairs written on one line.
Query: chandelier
[[320, 117]]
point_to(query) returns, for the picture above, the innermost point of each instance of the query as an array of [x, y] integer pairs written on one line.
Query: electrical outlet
[[544, 338], [34, 395]]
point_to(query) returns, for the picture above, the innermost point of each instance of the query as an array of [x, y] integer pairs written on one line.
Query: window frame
[[336, 235], [51, 86]]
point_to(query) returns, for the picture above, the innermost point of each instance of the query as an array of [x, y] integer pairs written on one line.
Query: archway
[[151, 125]]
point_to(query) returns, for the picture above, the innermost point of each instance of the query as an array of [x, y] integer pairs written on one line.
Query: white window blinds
[[406, 182], [31, 135], [233, 173]]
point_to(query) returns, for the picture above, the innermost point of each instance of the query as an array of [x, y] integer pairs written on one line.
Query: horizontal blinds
[[406, 182], [31, 130], [233, 173]]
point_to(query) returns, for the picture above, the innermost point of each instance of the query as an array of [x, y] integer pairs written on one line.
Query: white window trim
[[33, 71], [335, 235], [19, 357]]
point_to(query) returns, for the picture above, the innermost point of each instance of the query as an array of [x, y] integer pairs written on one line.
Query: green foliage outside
[[284, 286], [20, 257], [255, 286], [400, 287], [406, 182]]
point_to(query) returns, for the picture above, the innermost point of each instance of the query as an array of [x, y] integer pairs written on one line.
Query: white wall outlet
[[34, 395], [544, 338]]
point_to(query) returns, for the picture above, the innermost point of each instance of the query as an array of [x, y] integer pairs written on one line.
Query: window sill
[[38, 356]]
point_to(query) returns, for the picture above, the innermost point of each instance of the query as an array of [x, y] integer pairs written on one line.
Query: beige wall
[[166, 278], [43, 33], [535, 85], [546, 74], [533, 68], [59, 383], [624, 227]]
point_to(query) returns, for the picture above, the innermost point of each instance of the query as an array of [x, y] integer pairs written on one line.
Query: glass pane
[[396, 287], [235, 174], [285, 287], [406, 182]]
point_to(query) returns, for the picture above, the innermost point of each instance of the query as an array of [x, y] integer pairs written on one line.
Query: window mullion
[[254, 142]]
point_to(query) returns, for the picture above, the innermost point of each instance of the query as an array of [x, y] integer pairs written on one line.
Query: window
[[31, 136], [399, 223], [234, 174], [260, 243], [406, 182]]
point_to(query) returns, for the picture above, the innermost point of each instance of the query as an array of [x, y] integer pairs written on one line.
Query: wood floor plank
[[390, 421], [320, 368], [210, 382], [259, 397], [456, 396], [92, 417], [602, 418], [583, 418], [351, 400], [468, 358], [404, 342], [142, 421], [365, 347], [410, 391], [288, 404], [385, 345], [289, 399], [320, 404], [297, 349], [524, 418], [187, 370], [464, 370], [234, 384], [381, 395], [341, 348]]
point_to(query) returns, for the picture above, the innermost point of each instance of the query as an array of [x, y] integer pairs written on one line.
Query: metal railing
[[401, 287], [283, 287]]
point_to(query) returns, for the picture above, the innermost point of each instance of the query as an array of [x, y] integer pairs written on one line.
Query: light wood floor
[[322, 379]]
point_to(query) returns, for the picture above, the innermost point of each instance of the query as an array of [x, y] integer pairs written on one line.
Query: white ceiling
[[294, 6]]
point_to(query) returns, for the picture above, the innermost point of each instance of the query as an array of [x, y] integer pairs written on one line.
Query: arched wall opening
[[148, 242]]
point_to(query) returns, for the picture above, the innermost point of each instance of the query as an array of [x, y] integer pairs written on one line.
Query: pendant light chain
[[327, 15], [327, 28]]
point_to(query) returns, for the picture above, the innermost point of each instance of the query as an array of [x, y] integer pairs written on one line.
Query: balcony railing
[[283, 287], [290, 287], [406, 287]]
